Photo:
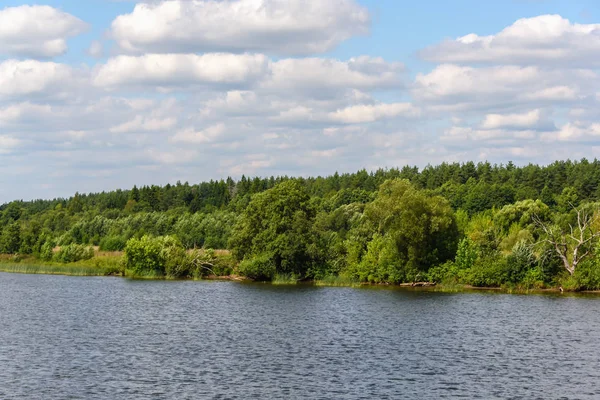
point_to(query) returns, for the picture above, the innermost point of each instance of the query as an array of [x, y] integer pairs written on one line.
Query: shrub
[[488, 272], [73, 252], [260, 267], [113, 243], [587, 275], [157, 256], [46, 252]]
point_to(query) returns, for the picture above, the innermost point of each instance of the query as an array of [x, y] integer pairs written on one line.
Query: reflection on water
[[106, 338]]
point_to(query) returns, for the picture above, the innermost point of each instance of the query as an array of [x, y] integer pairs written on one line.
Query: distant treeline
[[480, 224]]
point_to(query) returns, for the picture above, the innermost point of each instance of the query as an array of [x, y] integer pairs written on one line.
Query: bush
[[448, 272], [587, 275], [260, 267], [488, 272], [113, 243], [73, 252], [46, 252], [157, 256], [534, 279]]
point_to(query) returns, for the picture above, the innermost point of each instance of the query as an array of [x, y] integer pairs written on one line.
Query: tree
[[276, 229], [575, 244], [11, 238], [412, 231]]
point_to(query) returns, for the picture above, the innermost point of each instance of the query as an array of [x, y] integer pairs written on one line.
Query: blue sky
[[97, 94]]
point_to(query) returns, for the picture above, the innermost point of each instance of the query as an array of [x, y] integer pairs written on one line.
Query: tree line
[[478, 224]]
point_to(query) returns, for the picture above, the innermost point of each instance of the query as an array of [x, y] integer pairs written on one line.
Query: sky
[[97, 95]]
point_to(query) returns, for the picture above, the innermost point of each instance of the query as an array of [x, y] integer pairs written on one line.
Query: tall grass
[[285, 279], [63, 269], [98, 266], [338, 280]]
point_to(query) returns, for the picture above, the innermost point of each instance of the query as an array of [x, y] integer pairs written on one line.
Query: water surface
[[106, 338]]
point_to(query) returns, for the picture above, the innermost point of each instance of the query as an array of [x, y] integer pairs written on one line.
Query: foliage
[[413, 231], [113, 243], [390, 225], [72, 253], [276, 229], [155, 256]]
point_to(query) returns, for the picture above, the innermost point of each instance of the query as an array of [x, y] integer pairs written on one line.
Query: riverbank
[[110, 264]]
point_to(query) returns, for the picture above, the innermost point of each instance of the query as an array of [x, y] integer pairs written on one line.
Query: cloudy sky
[[99, 94]]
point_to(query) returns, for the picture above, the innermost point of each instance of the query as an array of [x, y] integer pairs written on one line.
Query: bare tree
[[574, 245]]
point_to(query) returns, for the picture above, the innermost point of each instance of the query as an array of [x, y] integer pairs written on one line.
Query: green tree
[[276, 229], [413, 231], [11, 238]]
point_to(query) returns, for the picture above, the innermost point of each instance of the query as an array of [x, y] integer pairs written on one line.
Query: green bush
[[156, 256], [259, 267], [113, 243], [46, 252], [488, 272], [73, 252], [587, 275], [448, 273], [159, 257], [534, 279]]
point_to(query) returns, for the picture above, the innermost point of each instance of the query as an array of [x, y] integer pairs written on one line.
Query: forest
[[477, 224]]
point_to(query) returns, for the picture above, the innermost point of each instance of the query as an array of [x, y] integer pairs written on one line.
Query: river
[[111, 338]]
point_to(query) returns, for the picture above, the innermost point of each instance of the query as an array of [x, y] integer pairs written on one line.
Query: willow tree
[[412, 231]]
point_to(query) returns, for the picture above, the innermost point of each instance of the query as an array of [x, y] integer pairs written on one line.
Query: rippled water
[[109, 338]]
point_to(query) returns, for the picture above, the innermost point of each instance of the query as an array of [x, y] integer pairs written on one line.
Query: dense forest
[[477, 224]]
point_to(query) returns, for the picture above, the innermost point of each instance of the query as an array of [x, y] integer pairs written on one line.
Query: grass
[[61, 269], [338, 280], [285, 279], [102, 265]]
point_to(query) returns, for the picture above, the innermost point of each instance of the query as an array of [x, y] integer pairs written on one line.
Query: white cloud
[[180, 70], [30, 77], [465, 136], [8, 143], [271, 26], [448, 80], [23, 112], [545, 39], [37, 31], [576, 131], [371, 113], [191, 136], [517, 121], [323, 75], [145, 124], [454, 88]]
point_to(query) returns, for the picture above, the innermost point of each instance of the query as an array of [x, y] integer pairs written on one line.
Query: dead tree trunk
[[574, 246]]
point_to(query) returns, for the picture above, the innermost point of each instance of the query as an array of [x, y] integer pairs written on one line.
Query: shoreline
[[83, 270]]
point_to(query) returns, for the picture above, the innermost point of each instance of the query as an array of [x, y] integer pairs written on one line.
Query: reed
[[285, 279], [338, 280]]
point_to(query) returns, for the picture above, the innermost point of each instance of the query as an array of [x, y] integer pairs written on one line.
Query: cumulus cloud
[[576, 131], [180, 70], [270, 26], [323, 75], [31, 77], [545, 39], [453, 87], [191, 136], [516, 121], [145, 124], [371, 113], [24, 113], [37, 31], [315, 77]]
